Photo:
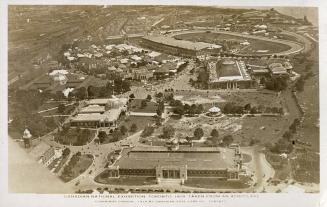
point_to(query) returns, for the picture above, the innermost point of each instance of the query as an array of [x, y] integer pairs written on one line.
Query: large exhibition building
[[229, 74], [180, 163]]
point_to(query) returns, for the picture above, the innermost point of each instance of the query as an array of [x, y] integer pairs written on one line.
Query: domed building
[[214, 111]]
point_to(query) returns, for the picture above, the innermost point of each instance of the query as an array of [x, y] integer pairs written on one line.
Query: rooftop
[[181, 43], [93, 109], [108, 116], [194, 158]]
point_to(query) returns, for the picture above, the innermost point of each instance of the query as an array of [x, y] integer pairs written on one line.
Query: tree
[[116, 135], [214, 133], [132, 96], [199, 109], [123, 130], [287, 135], [168, 131], [133, 128], [143, 103], [227, 140], [254, 110], [247, 107], [198, 133], [148, 130], [66, 152], [159, 95], [102, 136], [61, 108], [149, 97]]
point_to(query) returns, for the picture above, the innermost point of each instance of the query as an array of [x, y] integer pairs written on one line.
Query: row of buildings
[[234, 74]]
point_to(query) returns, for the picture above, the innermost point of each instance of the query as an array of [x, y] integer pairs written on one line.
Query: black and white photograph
[[126, 99]]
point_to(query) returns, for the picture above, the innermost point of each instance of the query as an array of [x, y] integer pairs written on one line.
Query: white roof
[[67, 91], [27, 134], [56, 72], [214, 109], [154, 54]]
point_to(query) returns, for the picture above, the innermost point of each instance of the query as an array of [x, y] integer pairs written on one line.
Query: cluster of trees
[[25, 104], [232, 108], [74, 136], [65, 152], [117, 87], [67, 172], [182, 67], [37, 125], [168, 131], [276, 83], [203, 78], [285, 144], [181, 109], [299, 85], [148, 131]]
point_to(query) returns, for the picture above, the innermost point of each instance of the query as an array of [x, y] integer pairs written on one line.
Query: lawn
[[280, 165], [75, 169], [61, 164], [214, 183], [246, 158], [125, 180], [75, 136], [140, 121], [136, 106], [265, 98], [305, 168], [263, 129], [67, 111]]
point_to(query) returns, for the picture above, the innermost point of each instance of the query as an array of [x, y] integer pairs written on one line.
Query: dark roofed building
[[163, 163]]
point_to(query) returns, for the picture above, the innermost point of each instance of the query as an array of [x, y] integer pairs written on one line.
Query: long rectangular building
[[176, 47], [185, 162]]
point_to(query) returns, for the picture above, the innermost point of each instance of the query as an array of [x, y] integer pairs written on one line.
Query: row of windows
[[151, 172], [206, 172]]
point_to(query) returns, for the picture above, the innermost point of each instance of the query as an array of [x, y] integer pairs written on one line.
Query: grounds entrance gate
[[171, 174]]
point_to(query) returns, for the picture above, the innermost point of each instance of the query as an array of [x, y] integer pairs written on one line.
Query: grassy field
[[280, 165], [140, 122], [125, 180], [81, 166], [309, 99], [305, 168], [263, 129], [75, 137]]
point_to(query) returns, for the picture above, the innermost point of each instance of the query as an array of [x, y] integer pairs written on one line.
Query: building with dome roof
[[214, 111]]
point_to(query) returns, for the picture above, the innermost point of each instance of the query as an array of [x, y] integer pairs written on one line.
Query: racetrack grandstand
[[176, 47]]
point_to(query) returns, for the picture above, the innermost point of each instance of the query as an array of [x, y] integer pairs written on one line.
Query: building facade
[[181, 164]]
